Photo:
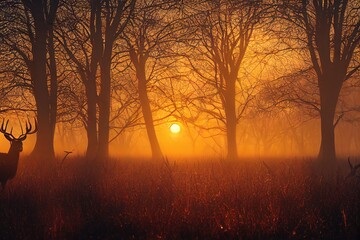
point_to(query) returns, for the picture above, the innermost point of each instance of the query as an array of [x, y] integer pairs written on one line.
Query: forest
[[179, 119]]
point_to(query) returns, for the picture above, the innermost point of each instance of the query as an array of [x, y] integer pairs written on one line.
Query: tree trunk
[[44, 147], [231, 140], [231, 121], [146, 110], [104, 105], [327, 146], [91, 124], [53, 82], [329, 94]]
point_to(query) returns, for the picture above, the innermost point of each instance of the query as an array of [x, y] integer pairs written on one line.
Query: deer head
[[9, 161], [16, 143]]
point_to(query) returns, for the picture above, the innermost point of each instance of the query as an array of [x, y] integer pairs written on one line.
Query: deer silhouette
[[9, 161]]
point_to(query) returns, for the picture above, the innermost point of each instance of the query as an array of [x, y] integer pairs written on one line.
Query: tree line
[[108, 65]]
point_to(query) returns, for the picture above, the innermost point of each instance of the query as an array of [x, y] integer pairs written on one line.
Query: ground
[[182, 199]]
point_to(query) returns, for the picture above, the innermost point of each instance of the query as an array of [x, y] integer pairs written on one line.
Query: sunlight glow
[[175, 128]]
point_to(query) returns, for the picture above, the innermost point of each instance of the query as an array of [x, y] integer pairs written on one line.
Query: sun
[[175, 128]]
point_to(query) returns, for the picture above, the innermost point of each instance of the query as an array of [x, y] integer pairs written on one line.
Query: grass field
[[200, 199]]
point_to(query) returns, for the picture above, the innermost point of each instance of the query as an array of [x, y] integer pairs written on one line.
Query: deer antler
[[3, 128], [28, 130], [353, 169]]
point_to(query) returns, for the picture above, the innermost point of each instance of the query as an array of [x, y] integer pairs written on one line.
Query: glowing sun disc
[[175, 128]]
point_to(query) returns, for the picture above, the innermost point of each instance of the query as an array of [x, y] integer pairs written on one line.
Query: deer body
[[9, 161]]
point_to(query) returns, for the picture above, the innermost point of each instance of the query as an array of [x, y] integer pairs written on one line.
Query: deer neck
[[13, 161], [14, 154]]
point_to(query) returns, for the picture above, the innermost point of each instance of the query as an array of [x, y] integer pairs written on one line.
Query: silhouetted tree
[[149, 37], [88, 40], [330, 30], [224, 31], [80, 35], [29, 36], [117, 14]]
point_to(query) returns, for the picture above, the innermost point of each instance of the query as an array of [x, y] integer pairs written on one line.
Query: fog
[[279, 139]]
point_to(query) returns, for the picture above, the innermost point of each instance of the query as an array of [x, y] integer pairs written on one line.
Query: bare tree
[[149, 38], [30, 38], [117, 14], [224, 32], [81, 40], [330, 31], [89, 44]]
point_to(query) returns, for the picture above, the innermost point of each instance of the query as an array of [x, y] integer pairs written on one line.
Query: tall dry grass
[[200, 199]]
